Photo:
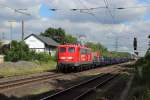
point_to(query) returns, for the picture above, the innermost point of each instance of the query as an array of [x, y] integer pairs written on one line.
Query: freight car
[[75, 57]]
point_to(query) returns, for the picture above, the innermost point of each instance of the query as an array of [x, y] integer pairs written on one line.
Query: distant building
[[6, 42], [40, 43], [5, 46]]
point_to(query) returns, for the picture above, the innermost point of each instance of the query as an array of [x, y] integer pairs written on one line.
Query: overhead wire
[[92, 14], [107, 7], [125, 7], [15, 10]]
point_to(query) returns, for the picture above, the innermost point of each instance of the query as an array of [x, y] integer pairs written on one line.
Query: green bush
[[20, 51], [147, 58], [43, 57], [141, 82], [54, 58]]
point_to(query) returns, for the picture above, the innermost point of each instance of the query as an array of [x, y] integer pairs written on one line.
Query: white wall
[[52, 51], [33, 42]]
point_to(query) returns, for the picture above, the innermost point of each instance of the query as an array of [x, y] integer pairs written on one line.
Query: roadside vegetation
[[141, 84], [25, 68], [104, 52], [20, 51], [20, 60]]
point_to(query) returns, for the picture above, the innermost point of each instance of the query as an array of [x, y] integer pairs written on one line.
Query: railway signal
[[135, 45], [149, 41]]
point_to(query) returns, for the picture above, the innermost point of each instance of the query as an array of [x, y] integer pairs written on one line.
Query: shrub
[[54, 58], [20, 51], [43, 57], [147, 58]]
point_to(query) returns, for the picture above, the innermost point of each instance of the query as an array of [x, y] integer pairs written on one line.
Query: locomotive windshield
[[71, 49], [62, 49]]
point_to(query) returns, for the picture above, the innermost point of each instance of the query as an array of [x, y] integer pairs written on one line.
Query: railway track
[[5, 86], [78, 91], [1, 77]]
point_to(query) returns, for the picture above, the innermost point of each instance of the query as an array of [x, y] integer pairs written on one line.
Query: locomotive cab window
[[71, 49], [83, 51], [62, 49]]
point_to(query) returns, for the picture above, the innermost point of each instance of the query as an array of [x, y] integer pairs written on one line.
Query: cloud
[[128, 22], [101, 15]]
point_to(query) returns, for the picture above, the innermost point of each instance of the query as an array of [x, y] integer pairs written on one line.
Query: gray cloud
[[102, 15], [129, 22]]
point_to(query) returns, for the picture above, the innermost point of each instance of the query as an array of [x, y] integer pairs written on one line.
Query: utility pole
[[22, 30], [82, 38], [21, 11], [11, 28]]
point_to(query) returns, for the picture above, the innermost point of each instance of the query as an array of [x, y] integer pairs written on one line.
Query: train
[[76, 57]]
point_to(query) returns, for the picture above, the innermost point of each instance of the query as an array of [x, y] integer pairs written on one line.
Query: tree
[[70, 39], [104, 52], [96, 46], [57, 34]]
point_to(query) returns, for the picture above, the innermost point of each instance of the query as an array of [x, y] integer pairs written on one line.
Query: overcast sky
[[127, 23]]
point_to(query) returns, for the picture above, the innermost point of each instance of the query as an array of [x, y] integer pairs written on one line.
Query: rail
[[78, 91]]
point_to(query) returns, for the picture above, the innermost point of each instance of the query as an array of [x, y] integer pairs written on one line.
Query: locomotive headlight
[[70, 58], [62, 57]]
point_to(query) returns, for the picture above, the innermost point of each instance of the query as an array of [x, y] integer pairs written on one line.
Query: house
[[40, 43]]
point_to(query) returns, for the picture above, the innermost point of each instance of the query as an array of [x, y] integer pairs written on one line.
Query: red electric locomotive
[[72, 57]]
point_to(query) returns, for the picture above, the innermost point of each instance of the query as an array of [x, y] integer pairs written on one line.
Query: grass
[[40, 90], [140, 93], [140, 89], [8, 71]]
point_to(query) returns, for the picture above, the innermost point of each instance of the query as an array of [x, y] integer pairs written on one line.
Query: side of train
[[77, 58]]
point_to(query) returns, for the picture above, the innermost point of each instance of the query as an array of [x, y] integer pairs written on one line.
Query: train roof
[[73, 45]]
